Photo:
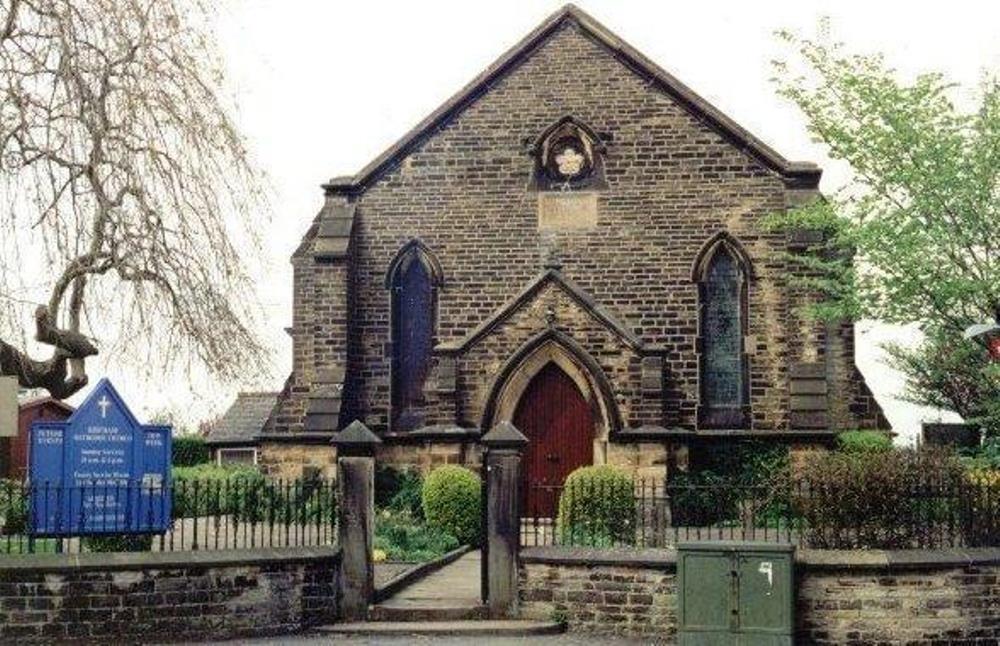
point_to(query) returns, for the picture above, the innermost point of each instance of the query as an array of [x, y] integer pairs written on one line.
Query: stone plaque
[[8, 406], [567, 210]]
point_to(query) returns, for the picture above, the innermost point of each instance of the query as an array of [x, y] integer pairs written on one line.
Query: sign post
[[99, 472]]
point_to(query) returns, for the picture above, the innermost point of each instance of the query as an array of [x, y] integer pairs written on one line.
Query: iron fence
[[211, 514], [651, 513]]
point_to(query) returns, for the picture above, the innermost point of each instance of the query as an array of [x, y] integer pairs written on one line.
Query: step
[[406, 612], [492, 628]]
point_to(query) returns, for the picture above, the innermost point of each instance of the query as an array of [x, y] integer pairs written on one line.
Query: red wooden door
[[559, 425]]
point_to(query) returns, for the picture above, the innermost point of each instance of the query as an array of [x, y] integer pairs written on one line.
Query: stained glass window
[[722, 330], [412, 336]]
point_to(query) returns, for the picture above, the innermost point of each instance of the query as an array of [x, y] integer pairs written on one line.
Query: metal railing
[[215, 514], [648, 513]]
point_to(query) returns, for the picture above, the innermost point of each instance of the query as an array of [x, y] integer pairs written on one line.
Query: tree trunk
[[54, 375]]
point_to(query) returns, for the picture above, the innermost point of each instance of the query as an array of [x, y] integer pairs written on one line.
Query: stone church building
[[573, 242]]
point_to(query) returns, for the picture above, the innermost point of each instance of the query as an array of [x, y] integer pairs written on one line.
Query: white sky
[[323, 87]]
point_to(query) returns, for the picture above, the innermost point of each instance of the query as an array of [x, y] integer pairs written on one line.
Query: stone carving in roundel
[[568, 156]]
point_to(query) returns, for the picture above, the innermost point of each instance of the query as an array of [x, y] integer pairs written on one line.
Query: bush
[[597, 507], [402, 537], [209, 490], [118, 543], [862, 442], [879, 500], [983, 458], [188, 451], [452, 503], [399, 489], [743, 462], [13, 508]]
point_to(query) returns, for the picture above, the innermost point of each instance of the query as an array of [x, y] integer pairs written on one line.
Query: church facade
[[574, 243]]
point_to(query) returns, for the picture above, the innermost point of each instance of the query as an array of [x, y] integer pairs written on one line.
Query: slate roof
[[245, 419], [33, 399]]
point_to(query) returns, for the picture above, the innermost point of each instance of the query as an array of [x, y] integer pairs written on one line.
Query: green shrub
[[188, 451], [13, 508], [399, 489], [452, 503], [983, 458], [742, 462], [386, 484], [404, 537], [209, 490], [409, 497], [879, 500], [703, 499], [118, 543], [597, 507], [861, 442]]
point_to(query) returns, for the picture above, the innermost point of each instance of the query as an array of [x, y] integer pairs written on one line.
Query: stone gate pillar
[[356, 518], [504, 445]]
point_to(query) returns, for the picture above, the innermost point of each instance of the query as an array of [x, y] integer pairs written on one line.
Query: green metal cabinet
[[735, 594]]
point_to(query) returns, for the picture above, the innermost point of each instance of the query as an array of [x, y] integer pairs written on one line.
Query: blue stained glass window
[[722, 330]]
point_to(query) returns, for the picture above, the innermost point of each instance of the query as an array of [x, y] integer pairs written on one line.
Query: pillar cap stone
[[356, 439], [504, 436]]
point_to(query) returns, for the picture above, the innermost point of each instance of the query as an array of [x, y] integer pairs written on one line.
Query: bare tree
[[130, 190]]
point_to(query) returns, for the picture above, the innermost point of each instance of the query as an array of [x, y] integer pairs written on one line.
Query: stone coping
[[164, 560], [665, 559], [896, 560], [809, 559]]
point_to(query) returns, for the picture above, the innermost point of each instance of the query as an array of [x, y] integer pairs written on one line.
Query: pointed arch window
[[723, 273], [413, 281]]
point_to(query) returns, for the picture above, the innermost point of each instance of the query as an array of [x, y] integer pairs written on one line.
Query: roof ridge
[[799, 173]]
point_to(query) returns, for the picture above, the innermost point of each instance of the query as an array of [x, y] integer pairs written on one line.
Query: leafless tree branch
[[131, 182]]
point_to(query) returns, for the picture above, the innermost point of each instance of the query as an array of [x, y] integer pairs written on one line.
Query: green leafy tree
[[913, 237]]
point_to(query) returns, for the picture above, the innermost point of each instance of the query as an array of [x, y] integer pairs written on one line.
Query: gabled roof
[[800, 174], [245, 419], [574, 291], [34, 400]]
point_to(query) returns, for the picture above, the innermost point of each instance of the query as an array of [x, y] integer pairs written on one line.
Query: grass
[[405, 538]]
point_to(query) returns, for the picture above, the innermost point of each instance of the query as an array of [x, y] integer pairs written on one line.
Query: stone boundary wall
[[843, 597], [161, 597]]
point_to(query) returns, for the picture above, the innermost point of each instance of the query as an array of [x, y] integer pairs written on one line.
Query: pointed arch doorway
[[558, 421]]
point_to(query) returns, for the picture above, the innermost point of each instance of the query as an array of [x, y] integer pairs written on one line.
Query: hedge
[[13, 507], [879, 499], [452, 503], [860, 442], [597, 507], [189, 451]]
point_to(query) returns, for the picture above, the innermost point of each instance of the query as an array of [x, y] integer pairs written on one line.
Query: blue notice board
[[99, 472]]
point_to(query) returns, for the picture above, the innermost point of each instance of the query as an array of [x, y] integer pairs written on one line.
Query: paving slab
[[456, 585]]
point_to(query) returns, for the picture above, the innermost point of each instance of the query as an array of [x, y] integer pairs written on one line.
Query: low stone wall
[[867, 597], [157, 597], [601, 591]]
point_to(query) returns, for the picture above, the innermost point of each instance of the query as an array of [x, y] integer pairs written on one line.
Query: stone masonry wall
[[672, 182], [127, 598], [288, 461], [637, 598], [950, 604], [859, 598]]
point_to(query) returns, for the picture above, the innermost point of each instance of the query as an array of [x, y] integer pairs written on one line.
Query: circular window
[[567, 160]]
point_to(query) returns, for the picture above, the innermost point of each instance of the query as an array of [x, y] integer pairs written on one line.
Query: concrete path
[[453, 586]]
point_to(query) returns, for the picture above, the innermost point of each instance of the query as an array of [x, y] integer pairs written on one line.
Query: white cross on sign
[[104, 402]]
